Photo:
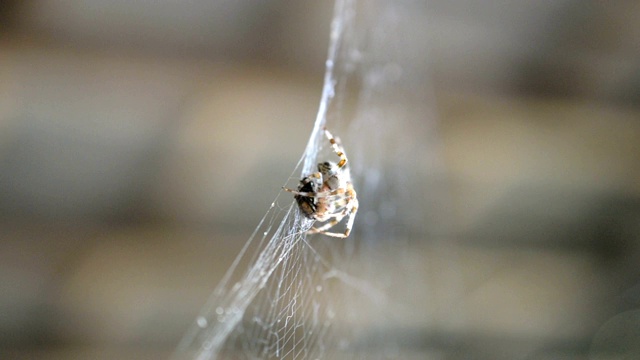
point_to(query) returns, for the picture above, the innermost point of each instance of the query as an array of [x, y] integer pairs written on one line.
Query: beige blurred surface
[[137, 156]]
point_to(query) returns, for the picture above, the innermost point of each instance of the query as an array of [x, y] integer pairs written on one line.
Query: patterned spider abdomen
[[308, 205]]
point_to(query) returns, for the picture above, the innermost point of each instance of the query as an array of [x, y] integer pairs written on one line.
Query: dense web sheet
[[289, 295]]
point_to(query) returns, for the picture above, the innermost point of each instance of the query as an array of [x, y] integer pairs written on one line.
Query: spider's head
[[327, 168]]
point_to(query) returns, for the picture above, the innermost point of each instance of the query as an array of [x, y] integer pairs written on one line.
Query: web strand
[[273, 285], [289, 296]]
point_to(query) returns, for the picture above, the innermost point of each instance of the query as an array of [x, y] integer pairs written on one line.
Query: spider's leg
[[341, 201], [352, 211], [352, 218], [337, 148], [307, 183], [296, 192], [341, 205], [323, 194], [331, 215], [327, 226]]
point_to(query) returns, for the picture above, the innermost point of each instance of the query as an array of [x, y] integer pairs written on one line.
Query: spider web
[[293, 296]]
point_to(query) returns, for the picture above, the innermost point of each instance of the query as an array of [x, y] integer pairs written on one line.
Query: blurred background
[[141, 142]]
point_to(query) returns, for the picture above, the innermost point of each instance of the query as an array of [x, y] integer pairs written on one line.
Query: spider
[[328, 195]]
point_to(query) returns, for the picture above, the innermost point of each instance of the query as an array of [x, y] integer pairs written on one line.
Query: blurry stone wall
[[140, 143]]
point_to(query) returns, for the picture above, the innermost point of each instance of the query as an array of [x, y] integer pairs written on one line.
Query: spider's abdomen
[[307, 204]]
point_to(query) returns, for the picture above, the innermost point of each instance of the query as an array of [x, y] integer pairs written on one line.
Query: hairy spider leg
[[322, 194], [341, 202], [322, 229], [337, 148], [335, 213], [324, 213], [347, 231], [316, 175], [349, 206], [352, 218]]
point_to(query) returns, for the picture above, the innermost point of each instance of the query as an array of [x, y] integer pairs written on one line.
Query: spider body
[[328, 195], [307, 204]]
